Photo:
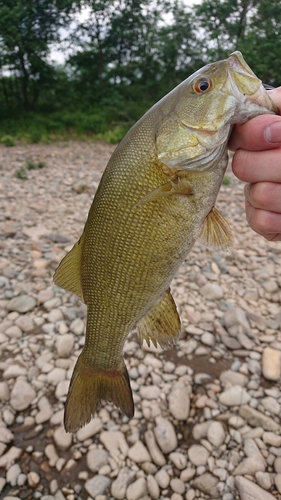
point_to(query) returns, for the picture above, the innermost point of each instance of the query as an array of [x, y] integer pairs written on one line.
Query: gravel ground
[[206, 424]]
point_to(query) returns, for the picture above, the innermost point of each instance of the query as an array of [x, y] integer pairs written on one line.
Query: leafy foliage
[[120, 57]]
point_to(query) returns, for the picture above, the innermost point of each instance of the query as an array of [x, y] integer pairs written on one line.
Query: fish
[[155, 199]]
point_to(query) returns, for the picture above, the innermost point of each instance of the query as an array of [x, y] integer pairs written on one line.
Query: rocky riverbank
[[207, 420]]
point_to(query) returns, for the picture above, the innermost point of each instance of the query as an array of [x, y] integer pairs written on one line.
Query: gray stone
[[216, 434], [207, 483], [97, 485], [65, 345], [62, 439], [22, 304], [236, 316], [234, 396], [137, 490], [251, 491], [179, 401], [211, 291], [163, 479], [198, 454], [153, 488], [156, 454], [22, 395], [271, 364], [92, 428], [258, 419], [119, 485], [96, 458], [165, 435], [138, 453], [229, 377], [149, 392]]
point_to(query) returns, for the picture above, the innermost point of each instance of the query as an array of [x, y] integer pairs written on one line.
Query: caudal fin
[[89, 386]]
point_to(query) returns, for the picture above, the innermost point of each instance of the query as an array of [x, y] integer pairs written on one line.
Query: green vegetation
[[226, 180], [21, 173], [123, 57]]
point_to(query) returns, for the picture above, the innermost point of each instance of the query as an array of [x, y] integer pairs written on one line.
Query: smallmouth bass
[[155, 198]]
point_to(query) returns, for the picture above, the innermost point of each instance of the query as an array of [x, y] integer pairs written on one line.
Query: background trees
[[120, 56]]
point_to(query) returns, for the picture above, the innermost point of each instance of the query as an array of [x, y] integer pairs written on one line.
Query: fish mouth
[[244, 83]]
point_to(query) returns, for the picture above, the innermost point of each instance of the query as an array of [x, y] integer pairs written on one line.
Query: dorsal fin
[[68, 273], [215, 231]]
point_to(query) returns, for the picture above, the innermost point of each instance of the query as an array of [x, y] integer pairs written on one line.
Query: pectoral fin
[[161, 325], [215, 231], [178, 185], [68, 273]]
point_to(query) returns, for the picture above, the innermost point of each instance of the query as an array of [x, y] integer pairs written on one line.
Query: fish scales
[[156, 197]]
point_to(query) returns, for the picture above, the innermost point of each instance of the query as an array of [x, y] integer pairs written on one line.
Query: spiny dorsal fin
[[68, 273], [215, 231], [161, 325]]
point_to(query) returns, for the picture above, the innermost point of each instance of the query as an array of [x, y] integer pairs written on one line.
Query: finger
[[267, 224], [252, 135], [264, 196], [257, 166]]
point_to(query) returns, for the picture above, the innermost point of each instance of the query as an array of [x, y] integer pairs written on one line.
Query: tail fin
[[89, 386]]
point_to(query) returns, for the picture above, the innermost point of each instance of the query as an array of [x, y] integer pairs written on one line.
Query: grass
[[21, 173], [226, 181]]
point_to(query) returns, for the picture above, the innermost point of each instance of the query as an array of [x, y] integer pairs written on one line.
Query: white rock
[[56, 375], [22, 395], [153, 488], [25, 323], [163, 479], [33, 479], [97, 485], [22, 304], [178, 459], [234, 396], [211, 291], [208, 484], [77, 326], [272, 439], [216, 434], [94, 426], [65, 345], [149, 392], [229, 377], [277, 481], [258, 419], [62, 439], [51, 454], [14, 371], [165, 435], [177, 485], [119, 486], [137, 490], [14, 332], [271, 364], [6, 436], [271, 405], [9, 458], [264, 480], [13, 474], [115, 442], [251, 491], [236, 316], [198, 455], [179, 401], [96, 458], [138, 453], [156, 454], [4, 391], [208, 339]]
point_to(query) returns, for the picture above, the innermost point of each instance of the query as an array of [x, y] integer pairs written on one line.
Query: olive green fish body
[[156, 197]]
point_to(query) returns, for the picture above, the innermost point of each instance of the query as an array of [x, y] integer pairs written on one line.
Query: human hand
[[257, 161]]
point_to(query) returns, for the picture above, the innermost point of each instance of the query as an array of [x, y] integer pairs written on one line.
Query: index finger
[[251, 135]]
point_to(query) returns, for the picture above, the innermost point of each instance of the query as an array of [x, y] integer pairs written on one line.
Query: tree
[[27, 30]]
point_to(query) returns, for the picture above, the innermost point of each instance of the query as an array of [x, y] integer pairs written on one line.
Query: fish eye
[[202, 85]]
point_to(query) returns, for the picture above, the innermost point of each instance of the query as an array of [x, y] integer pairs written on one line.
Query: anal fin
[[215, 231], [161, 325], [68, 273]]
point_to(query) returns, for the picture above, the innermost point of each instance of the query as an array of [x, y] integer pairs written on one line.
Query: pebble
[[271, 364], [234, 396], [165, 435], [211, 291], [22, 395], [204, 420], [22, 304], [97, 485], [198, 455], [179, 401], [251, 491]]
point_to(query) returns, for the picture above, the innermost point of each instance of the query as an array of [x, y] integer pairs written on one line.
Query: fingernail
[[273, 133]]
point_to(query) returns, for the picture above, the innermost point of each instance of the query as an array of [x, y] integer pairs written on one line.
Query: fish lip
[[268, 87]]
